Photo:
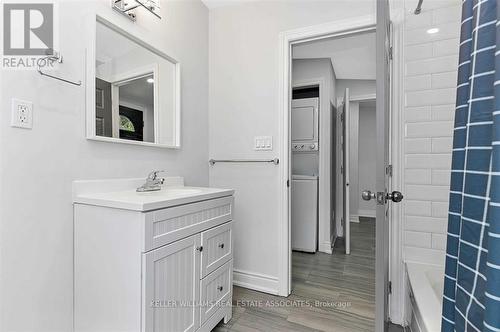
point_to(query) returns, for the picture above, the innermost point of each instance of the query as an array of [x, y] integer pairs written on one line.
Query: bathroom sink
[[121, 194]]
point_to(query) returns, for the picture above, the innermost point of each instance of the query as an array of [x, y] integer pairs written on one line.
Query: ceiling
[[221, 3], [352, 57], [368, 104], [138, 91]]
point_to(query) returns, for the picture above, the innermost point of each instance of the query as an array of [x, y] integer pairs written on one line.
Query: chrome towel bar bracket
[[275, 161]]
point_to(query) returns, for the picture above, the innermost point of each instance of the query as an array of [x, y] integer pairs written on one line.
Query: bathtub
[[425, 296]]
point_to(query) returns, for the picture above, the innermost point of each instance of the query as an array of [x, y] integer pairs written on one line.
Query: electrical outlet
[[22, 114]]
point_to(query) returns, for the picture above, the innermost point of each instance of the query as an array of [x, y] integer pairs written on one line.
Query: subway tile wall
[[431, 62]]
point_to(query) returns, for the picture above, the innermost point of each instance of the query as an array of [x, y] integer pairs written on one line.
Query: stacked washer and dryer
[[305, 167]]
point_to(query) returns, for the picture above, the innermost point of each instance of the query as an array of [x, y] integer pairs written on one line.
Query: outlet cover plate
[[22, 114]]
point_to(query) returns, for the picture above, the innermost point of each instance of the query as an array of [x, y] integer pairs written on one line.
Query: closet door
[[171, 287]]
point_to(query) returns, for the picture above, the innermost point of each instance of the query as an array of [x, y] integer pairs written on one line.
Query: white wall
[[38, 166], [305, 71], [431, 63], [367, 156], [244, 102]]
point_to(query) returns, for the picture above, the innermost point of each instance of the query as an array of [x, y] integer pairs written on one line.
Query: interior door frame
[[397, 307], [289, 38]]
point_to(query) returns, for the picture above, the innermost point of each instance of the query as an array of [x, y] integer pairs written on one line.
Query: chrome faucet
[[153, 182]]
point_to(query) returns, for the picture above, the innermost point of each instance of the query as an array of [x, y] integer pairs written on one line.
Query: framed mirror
[[133, 90]]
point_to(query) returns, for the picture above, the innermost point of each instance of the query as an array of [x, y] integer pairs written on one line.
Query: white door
[[383, 173], [345, 172], [381, 181], [171, 282]]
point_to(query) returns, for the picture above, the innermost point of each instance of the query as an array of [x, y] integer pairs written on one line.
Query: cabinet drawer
[[217, 248], [216, 291], [169, 225]]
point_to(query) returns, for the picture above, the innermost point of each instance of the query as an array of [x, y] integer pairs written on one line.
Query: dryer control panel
[[304, 146]]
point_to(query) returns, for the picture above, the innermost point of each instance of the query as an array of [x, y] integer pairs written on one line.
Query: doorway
[[333, 86], [381, 192]]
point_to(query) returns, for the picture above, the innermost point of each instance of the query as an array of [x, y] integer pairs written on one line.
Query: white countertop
[[129, 199]]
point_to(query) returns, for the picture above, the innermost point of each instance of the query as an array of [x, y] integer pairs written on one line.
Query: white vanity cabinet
[[164, 270]]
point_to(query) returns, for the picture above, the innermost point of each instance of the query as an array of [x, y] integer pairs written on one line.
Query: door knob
[[368, 195], [395, 196]]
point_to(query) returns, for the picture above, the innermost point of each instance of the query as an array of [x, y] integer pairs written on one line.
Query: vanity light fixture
[[433, 31], [128, 7]]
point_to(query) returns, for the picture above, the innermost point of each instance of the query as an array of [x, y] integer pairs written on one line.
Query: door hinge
[[390, 53], [389, 287], [388, 170], [341, 169], [288, 183]]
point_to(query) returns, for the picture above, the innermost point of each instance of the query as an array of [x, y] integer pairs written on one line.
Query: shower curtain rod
[[418, 10]]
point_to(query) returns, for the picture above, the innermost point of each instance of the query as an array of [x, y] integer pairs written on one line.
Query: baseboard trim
[[367, 213], [325, 247], [354, 218], [256, 281]]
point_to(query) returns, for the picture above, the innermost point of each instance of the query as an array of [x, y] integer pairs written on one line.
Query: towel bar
[[275, 161]]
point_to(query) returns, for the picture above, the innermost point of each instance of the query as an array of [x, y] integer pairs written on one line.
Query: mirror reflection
[[127, 103]]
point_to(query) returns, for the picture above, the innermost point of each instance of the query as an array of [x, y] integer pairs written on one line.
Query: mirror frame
[[130, 31]]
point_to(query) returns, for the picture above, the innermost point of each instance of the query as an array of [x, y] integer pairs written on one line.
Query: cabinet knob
[[220, 288], [200, 248], [221, 245]]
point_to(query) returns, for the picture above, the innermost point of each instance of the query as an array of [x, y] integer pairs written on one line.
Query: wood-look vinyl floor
[[334, 293]]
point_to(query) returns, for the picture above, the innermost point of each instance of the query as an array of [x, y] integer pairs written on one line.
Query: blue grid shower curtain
[[471, 300]]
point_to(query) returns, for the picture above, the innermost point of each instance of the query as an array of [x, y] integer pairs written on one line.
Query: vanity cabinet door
[[171, 287]]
